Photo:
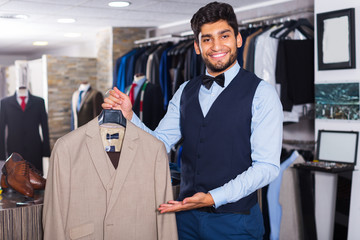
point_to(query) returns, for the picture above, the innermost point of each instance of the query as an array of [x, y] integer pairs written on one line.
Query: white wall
[[8, 60], [325, 184], [78, 50], [87, 49]]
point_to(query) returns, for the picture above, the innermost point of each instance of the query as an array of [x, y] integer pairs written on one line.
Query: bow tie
[[207, 81], [112, 136]]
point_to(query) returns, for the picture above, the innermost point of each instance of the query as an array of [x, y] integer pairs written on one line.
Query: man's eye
[[225, 36], [206, 40]]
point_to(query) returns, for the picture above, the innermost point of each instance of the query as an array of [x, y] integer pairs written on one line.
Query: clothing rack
[[242, 22], [154, 39], [275, 16]]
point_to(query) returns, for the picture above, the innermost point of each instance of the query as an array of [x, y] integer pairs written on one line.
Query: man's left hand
[[198, 200]]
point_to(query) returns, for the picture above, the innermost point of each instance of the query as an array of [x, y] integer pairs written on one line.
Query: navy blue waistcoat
[[216, 148]]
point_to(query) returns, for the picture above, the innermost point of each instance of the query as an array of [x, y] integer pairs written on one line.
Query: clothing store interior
[[59, 61]]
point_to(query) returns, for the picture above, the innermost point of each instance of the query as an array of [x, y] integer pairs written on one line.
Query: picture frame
[[336, 39]]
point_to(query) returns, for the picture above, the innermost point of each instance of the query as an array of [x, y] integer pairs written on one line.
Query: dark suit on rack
[[23, 134]]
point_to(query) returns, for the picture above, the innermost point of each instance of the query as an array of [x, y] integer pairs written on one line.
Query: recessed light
[[119, 4], [21, 16], [40, 43], [72, 35], [14, 16], [66, 20]]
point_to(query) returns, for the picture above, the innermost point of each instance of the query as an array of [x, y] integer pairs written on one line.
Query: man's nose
[[216, 45]]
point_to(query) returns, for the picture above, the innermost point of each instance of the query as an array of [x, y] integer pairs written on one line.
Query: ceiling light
[[66, 20], [72, 35], [40, 43], [21, 16], [14, 16], [119, 4]]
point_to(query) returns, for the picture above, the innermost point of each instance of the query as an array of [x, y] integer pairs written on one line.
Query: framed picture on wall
[[337, 101], [336, 39]]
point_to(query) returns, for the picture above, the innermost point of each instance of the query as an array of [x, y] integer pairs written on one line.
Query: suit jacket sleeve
[[166, 223], [57, 193], [45, 131], [2, 131]]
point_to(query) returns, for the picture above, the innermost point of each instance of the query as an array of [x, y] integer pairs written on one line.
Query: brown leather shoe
[[16, 171], [36, 179]]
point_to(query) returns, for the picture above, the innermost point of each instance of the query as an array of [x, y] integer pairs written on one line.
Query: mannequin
[[149, 96], [85, 106], [22, 114]]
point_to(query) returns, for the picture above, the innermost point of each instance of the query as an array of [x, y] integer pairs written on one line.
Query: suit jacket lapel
[[86, 96], [15, 103], [127, 156], [30, 101], [97, 152]]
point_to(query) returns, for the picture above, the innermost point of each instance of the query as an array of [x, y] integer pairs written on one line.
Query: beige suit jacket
[[83, 201]]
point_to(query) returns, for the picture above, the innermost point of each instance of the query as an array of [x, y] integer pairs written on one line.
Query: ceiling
[[17, 35]]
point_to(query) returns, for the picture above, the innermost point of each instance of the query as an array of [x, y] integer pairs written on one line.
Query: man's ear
[[197, 48], [238, 40]]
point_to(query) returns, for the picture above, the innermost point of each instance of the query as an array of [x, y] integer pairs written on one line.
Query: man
[[232, 133]]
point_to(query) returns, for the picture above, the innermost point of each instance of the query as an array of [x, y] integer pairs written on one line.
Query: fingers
[[117, 93], [106, 106]]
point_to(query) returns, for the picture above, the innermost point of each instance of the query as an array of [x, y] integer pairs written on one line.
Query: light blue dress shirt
[[266, 136]]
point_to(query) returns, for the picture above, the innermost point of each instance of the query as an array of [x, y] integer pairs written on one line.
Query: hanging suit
[[87, 198], [23, 129], [90, 107]]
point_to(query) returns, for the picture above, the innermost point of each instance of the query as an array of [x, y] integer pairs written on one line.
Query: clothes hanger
[[286, 24], [112, 116], [300, 23]]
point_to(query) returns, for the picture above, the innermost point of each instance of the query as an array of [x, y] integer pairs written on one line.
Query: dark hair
[[211, 13]]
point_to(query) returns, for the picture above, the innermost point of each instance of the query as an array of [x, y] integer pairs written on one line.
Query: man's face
[[218, 46]]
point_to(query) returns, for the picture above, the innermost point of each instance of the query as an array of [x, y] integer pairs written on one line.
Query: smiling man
[[231, 124]]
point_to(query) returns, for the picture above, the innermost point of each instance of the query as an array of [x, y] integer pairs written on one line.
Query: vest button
[[198, 156], [201, 140]]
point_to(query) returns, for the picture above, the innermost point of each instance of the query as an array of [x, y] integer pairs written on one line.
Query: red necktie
[[23, 104], [132, 93]]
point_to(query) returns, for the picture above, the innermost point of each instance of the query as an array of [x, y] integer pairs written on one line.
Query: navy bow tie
[[207, 81], [112, 136]]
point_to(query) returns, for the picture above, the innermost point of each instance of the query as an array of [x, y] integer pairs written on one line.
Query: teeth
[[219, 55]]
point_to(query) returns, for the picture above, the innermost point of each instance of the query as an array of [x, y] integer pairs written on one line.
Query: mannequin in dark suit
[[23, 134], [153, 103], [90, 105]]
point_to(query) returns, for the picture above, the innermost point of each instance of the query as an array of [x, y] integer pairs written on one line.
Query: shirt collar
[[26, 94], [230, 74]]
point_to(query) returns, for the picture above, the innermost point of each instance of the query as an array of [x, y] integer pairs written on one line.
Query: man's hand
[[197, 201], [119, 101]]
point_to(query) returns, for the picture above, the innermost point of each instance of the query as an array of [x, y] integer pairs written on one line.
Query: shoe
[[36, 179], [16, 171]]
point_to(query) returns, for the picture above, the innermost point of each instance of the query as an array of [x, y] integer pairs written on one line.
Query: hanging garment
[[87, 198], [23, 134], [291, 227], [275, 209], [265, 56]]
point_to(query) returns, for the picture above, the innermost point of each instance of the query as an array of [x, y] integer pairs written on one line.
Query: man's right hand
[[119, 101]]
